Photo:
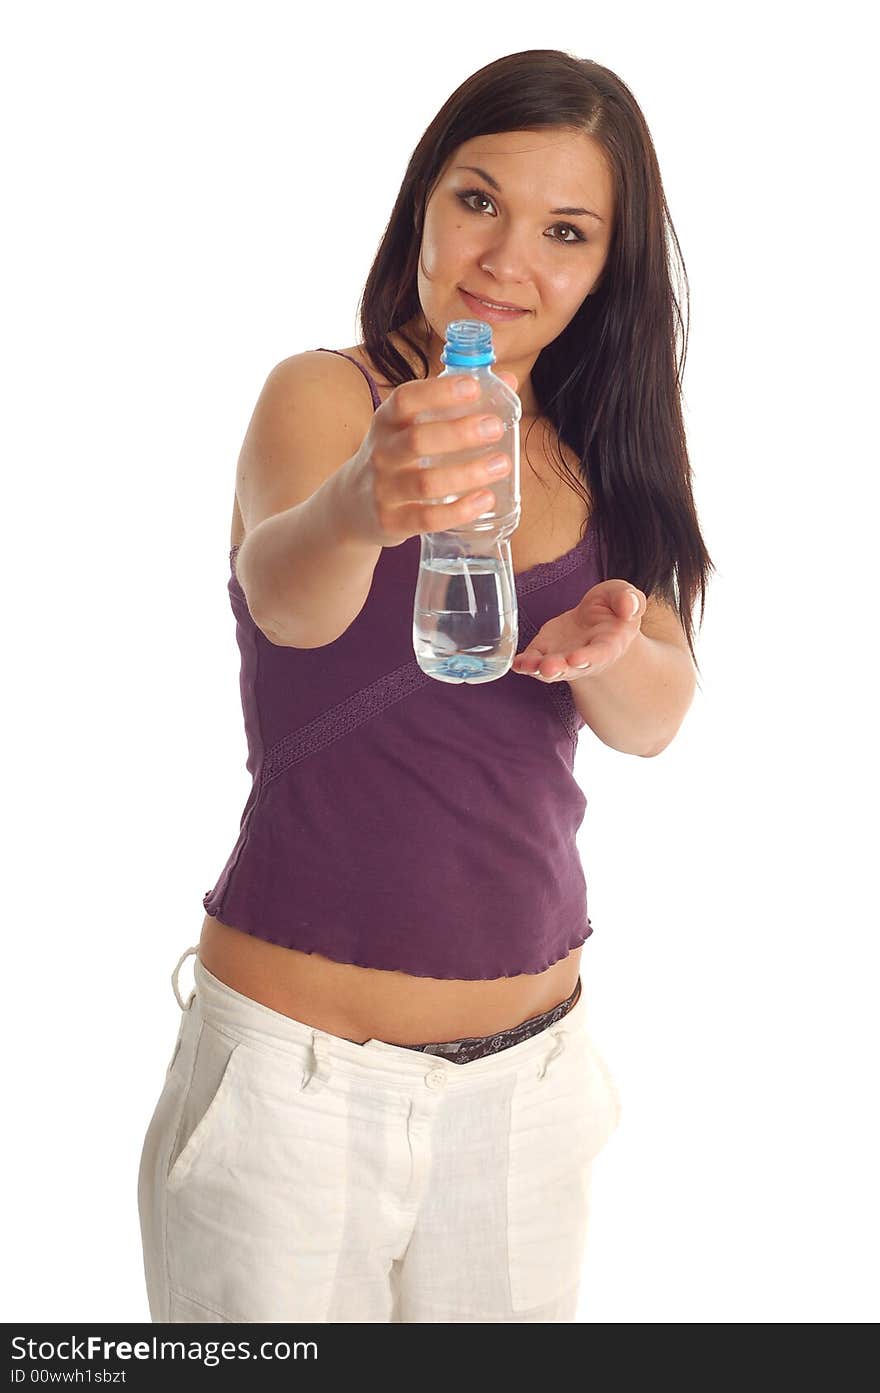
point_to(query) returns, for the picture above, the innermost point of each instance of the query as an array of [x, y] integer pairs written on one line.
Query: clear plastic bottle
[[465, 620]]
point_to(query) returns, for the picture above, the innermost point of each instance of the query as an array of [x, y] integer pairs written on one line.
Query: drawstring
[[184, 1006], [554, 1053]]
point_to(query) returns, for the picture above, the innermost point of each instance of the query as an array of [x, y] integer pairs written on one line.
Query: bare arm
[[639, 703], [306, 579], [304, 575], [323, 485]]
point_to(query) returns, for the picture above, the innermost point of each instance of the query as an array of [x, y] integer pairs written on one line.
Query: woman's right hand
[[388, 485]]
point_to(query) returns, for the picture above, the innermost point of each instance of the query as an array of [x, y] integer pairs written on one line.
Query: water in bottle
[[465, 622]]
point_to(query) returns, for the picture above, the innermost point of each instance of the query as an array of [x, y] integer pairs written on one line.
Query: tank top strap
[[374, 390]]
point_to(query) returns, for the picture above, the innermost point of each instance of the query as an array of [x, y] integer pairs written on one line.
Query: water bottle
[[465, 613]]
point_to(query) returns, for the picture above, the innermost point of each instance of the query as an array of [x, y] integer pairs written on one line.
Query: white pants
[[290, 1175]]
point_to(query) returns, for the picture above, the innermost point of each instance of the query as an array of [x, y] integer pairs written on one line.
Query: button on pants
[[288, 1174]]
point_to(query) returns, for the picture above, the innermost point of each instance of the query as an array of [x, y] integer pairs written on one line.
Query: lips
[[500, 304]]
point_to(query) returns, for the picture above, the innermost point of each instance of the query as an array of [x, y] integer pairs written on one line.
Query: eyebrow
[[572, 212]]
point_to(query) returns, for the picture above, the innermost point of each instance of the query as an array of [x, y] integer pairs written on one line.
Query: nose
[[507, 263]]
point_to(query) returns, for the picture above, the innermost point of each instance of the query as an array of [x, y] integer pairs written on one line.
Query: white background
[[195, 191]]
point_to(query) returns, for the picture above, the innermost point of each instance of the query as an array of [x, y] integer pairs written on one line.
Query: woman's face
[[496, 234]]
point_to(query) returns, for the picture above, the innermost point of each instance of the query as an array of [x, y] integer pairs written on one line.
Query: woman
[[383, 1103]]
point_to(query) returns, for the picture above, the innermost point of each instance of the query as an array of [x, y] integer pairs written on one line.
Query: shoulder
[[319, 363], [360, 355], [325, 378]]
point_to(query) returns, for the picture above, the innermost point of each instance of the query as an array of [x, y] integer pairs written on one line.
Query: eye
[[479, 193]]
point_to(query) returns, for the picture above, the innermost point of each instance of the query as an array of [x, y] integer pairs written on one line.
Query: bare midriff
[[363, 1003]]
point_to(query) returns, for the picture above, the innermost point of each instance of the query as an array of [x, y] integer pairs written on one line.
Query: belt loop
[[320, 1068], [559, 1046], [184, 1006]]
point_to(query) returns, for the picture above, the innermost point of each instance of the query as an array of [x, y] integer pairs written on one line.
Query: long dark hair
[[609, 383]]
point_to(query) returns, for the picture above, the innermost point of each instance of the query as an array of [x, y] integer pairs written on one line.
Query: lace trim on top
[[342, 719], [348, 715], [534, 577], [404, 681]]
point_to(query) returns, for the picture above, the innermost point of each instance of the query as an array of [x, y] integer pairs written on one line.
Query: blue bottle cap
[[468, 344]]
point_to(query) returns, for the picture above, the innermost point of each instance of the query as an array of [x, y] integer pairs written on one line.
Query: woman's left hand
[[587, 639]]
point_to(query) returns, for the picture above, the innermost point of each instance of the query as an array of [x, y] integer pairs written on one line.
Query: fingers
[[431, 420], [553, 667], [632, 604], [425, 394]]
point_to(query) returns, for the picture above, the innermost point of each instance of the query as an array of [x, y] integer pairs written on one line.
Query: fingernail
[[581, 665], [635, 600]]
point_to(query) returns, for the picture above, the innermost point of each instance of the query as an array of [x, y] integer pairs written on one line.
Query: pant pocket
[[255, 1190], [558, 1125], [210, 1086], [156, 1152]]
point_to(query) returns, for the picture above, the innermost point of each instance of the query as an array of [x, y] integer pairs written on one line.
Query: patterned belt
[[475, 1047]]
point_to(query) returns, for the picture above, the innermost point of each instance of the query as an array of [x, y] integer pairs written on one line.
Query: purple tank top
[[400, 823]]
